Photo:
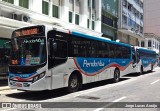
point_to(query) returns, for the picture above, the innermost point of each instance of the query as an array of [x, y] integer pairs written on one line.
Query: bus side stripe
[[101, 70]]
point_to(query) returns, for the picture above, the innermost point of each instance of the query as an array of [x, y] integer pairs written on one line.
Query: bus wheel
[[73, 84], [116, 75]]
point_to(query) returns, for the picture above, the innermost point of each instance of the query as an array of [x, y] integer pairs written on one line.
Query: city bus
[[46, 58], [146, 59], [3, 59]]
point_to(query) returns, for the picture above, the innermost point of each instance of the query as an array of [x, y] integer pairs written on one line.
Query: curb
[[5, 88]]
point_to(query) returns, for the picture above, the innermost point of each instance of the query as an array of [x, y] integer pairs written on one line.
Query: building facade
[[151, 41], [77, 15], [130, 24], [109, 18]]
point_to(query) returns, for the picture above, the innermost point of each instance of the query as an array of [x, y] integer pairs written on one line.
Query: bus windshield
[[28, 51]]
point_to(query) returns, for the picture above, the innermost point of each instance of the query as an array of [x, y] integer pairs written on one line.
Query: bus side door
[[134, 59]]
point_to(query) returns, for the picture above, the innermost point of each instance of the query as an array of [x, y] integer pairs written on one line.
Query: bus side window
[[59, 49], [57, 52]]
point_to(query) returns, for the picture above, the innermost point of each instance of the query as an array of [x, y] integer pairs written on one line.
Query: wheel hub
[[74, 83]]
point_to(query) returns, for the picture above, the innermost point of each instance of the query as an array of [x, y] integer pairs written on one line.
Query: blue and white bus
[[45, 58], [146, 59]]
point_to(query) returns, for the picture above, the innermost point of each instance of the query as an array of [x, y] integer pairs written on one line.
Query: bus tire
[[73, 83], [116, 75]]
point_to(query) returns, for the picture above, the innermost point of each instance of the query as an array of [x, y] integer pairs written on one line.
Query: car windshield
[[28, 51]]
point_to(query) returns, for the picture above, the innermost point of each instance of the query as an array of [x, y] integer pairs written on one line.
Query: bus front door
[[134, 61], [58, 55]]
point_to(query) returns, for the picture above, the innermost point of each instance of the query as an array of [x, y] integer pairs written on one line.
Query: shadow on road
[[50, 94], [132, 75], [137, 74]]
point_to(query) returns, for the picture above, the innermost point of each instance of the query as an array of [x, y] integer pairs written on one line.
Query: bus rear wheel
[[73, 84], [116, 75]]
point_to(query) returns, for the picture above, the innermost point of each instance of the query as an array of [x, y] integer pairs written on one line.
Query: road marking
[[119, 99], [155, 81], [99, 109]]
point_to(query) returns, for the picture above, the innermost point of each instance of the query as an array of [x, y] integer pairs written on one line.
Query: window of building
[[129, 21], [136, 1], [77, 19], [129, 7], [93, 4], [24, 3], [9, 1], [134, 11], [88, 23], [70, 17], [142, 44], [141, 16], [93, 25], [125, 3], [138, 14], [141, 30], [45, 7], [55, 11], [149, 43], [88, 3], [107, 20], [124, 20], [141, 4]]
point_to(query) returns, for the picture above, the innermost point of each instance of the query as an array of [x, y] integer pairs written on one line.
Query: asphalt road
[[131, 88]]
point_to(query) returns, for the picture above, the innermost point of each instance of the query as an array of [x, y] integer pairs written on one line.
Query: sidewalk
[[4, 88]]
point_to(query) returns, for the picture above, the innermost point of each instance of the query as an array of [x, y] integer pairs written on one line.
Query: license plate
[[18, 84]]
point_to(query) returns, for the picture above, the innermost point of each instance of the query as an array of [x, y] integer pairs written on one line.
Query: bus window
[[58, 49], [111, 50]]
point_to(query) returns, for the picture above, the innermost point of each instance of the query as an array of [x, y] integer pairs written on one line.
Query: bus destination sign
[[28, 31]]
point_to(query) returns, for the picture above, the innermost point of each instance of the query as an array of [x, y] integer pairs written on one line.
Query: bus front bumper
[[28, 86]]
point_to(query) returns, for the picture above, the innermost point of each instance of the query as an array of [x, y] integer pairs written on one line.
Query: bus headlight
[[39, 76], [42, 75], [35, 78]]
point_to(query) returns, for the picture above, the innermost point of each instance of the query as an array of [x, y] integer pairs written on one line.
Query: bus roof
[[103, 39], [147, 50]]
